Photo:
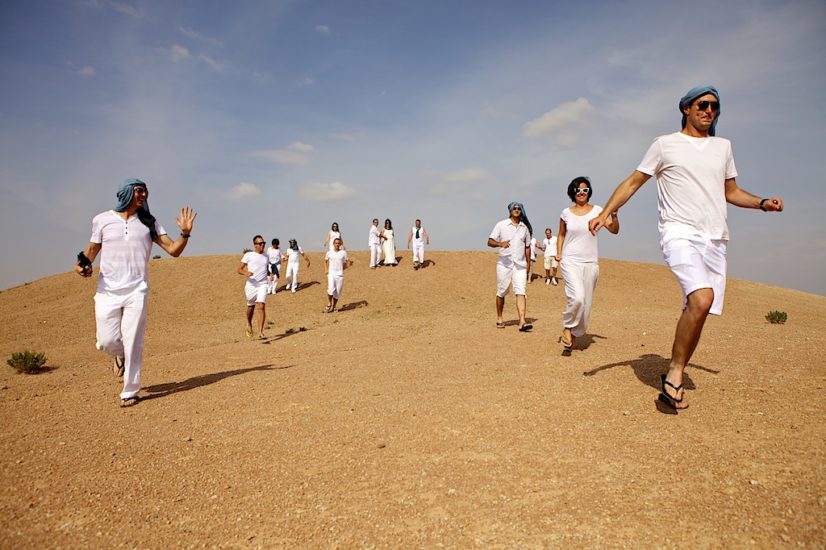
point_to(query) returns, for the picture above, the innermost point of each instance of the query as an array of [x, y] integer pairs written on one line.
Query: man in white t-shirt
[[254, 266], [551, 264], [512, 236], [124, 238], [335, 262], [374, 244], [419, 237], [696, 177]]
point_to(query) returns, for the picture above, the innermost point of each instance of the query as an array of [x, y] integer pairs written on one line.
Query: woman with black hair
[[388, 244], [578, 256]]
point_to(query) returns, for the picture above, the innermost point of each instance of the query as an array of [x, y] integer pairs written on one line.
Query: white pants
[[510, 275], [292, 269], [375, 254], [418, 253], [121, 323], [580, 282], [334, 285]]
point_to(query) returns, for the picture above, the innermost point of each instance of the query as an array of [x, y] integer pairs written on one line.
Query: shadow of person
[[353, 305], [584, 341], [162, 390], [308, 284], [426, 263], [648, 368]]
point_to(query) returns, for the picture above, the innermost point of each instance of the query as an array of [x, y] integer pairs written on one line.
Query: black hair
[[276, 242], [333, 227], [574, 185], [257, 237], [293, 244], [388, 222]]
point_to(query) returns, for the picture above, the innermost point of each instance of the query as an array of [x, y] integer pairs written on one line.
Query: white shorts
[[698, 263], [334, 285], [507, 276], [255, 293], [551, 263]]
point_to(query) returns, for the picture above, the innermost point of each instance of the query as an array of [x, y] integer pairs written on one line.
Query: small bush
[[28, 362], [245, 250], [156, 257], [776, 317]]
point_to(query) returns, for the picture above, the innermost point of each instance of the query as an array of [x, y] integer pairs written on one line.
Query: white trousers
[[580, 282], [292, 269], [375, 254], [121, 323], [334, 285], [418, 253]]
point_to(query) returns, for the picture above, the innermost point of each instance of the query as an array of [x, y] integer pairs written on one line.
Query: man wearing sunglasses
[[696, 177], [123, 237], [254, 266], [512, 236]]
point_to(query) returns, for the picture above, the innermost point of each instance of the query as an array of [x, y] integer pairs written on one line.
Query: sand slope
[[409, 420]]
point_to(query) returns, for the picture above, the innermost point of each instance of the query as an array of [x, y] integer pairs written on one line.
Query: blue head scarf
[[524, 217], [124, 195], [692, 95]]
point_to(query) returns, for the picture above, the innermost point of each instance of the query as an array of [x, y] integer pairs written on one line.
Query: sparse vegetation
[[28, 362], [245, 250], [776, 317]]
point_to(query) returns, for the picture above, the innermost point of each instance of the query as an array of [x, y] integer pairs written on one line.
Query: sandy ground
[[409, 420]]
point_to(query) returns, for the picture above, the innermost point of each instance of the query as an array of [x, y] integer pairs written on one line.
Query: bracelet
[[185, 235], [762, 203]]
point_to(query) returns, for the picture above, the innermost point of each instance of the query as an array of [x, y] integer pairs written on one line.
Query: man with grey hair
[[696, 177]]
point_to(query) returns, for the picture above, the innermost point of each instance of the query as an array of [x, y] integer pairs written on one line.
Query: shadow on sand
[[353, 305], [162, 390], [648, 368]]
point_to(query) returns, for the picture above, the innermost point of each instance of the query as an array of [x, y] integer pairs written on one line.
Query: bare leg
[[250, 312], [261, 317], [500, 308], [687, 336], [521, 307]]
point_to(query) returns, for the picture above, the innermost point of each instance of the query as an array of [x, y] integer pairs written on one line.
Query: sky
[[281, 117]]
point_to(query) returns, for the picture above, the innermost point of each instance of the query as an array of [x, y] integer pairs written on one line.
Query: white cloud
[[327, 192], [297, 153], [322, 29], [125, 9], [471, 179], [244, 190], [190, 33], [468, 175], [566, 115], [175, 52], [216, 66], [87, 70], [304, 82]]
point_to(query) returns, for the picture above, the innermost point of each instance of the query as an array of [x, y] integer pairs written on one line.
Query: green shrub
[[776, 317], [245, 250], [28, 362]]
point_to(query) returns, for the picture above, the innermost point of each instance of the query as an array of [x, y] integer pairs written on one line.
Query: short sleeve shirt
[[336, 261], [374, 235], [519, 238], [580, 245], [294, 255], [550, 247], [257, 265], [274, 255], [125, 250]]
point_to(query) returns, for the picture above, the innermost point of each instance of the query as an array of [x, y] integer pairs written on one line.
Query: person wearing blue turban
[[512, 236], [696, 179], [123, 237]]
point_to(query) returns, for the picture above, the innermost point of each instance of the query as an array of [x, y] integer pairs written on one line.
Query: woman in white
[[332, 235], [577, 254], [274, 255], [388, 245], [335, 262], [293, 255]]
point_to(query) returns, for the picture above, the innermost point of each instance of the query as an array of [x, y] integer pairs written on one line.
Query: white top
[[274, 255], [580, 245], [257, 264], [294, 255], [691, 174], [519, 238], [550, 247], [375, 230], [420, 239], [336, 261], [533, 248], [331, 236], [126, 246]]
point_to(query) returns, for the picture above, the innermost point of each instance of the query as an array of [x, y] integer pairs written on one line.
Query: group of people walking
[[696, 178]]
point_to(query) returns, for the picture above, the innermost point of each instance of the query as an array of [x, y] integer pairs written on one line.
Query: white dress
[[388, 247]]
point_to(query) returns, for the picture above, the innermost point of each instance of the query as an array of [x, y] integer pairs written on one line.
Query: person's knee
[[701, 300], [110, 343]]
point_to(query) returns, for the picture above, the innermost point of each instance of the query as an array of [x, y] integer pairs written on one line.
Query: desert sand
[[408, 420]]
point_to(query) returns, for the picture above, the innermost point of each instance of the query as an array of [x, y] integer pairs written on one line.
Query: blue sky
[[281, 117]]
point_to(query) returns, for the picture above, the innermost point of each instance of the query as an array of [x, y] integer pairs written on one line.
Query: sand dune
[[409, 420]]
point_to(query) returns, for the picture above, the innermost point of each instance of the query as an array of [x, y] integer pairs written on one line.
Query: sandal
[[130, 401], [119, 367], [500, 324], [672, 402]]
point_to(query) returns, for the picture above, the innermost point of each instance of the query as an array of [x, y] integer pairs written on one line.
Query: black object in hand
[[83, 261]]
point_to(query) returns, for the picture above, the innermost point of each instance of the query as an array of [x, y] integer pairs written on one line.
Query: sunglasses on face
[[259, 244], [583, 190], [703, 105]]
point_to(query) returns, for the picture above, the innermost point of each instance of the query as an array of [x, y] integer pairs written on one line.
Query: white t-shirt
[[550, 247], [257, 265], [691, 174], [125, 250], [274, 255], [331, 236], [533, 249], [580, 245], [375, 230], [336, 261], [294, 255], [519, 238]]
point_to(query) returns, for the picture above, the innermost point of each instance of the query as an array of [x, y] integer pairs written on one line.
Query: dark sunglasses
[[583, 189], [703, 105], [261, 244]]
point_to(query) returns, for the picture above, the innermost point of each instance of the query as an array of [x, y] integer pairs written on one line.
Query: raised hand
[[186, 219]]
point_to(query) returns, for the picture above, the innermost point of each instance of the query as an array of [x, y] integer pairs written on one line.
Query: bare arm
[[91, 251], [612, 223], [426, 236], [498, 244], [185, 221], [243, 270], [740, 197], [326, 265], [619, 197], [560, 238], [306, 258], [409, 238]]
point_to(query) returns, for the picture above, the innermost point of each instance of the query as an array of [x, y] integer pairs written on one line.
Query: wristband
[[762, 203], [186, 235]]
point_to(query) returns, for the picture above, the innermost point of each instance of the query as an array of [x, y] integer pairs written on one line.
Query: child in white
[[335, 262], [294, 253], [275, 258]]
